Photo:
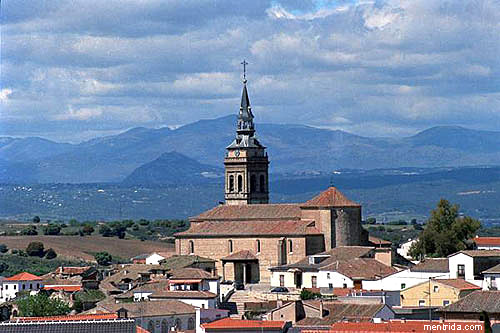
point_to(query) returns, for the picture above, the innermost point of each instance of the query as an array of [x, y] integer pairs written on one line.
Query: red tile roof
[[401, 326], [476, 302], [432, 265], [191, 273], [139, 329], [251, 212], [227, 323], [361, 268], [251, 228], [457, 284], [332, 197], [71, 270], [485, 241], [337, 311], [67, 288], [98, 316], [378, 241], [24, 276], [241, 255]]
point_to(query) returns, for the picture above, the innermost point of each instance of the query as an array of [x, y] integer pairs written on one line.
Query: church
[[247, 235]]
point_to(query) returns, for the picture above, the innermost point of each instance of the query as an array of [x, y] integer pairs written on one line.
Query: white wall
[[488, 247], [492, 281], [289, 279], [405, 247], [325, 278], [406, 277], [11, 288], [154, 259], [461, 258]]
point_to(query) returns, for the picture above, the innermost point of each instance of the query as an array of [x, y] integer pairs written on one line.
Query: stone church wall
[[348, 227]]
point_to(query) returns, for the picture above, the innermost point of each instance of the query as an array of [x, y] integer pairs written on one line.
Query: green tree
[[51, 254], [29, 231], [52, 229], [103, 258], [3, 248], [445, 232], [371, 220], [41, 305], [87, 229], [36, 219], [105, 231], [35, 249]]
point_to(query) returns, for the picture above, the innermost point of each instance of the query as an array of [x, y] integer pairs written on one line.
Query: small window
[[446, 302], [24, 287], [403, 286], [344, 285], [191, 324], [191, 247], [258, 246], [230, 246], [330, 285], [253, 183], [262, 183], [6, 286], [231, 183], [327, 275], [421, 302], [436, 289], [31, 286], [290, 246], [240, 183]]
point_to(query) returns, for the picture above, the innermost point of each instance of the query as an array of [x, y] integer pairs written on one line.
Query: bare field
[[78, 248]]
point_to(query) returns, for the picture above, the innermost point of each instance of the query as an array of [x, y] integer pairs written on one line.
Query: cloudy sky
[[72, 70]]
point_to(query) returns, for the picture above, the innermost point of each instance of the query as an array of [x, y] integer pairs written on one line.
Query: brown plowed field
[[76, 247]]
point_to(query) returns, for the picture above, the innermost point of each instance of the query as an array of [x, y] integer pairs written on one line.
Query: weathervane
[[244, 63]]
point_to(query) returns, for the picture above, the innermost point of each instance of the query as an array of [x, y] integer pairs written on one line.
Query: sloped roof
[[432, 265], [241, 255], [98, 316], [147, 309], [332, 197], [493, 270], [178, 294], [360, 268], [251, 228], [478, 253], [251, 212], [338, 311], [181, 261], [66, 288], [191, 273], [485, 241], [459, 284], [71, 270], [228, 323], [378, 241], [477, 301], [24, 276]]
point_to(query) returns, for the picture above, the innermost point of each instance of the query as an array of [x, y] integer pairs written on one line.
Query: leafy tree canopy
[[35, 249], [445, 232], [41, 305], [103, 258]]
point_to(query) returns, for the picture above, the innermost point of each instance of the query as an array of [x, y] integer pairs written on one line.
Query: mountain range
[[138, 155]]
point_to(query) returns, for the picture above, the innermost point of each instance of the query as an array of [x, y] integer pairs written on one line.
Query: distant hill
[[173, 168], [292, 149]]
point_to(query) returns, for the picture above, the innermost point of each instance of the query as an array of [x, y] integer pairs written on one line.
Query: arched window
[[151, 326], [191, 324], [177, 324], [290, 246], [253, 183], [262, 183], [191, 247], [258, 246], [240, 183], [164, 326], [230, 246], [231, 183]]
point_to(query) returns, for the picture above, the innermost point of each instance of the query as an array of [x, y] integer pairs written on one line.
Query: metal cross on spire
[[244, 63]]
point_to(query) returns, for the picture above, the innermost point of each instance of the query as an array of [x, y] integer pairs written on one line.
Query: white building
[[470, 264], [436, 268], [405, 248], [11, 286], [492, 278]]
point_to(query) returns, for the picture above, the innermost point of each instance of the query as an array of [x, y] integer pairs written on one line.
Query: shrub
[[35, 249], [51, 254], [103, 258], [29, 231], [52, 229], [3, 248]]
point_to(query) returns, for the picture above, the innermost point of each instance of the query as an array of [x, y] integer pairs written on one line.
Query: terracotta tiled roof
[[432, 265], [228, 323], [378, 241], [477, 302], [24, 276], [397, 326], [251, 228], [183, 294], [337, 311], [361, 268], [66, 288], [493, 270], [71, 270], [191, 273], [332, 197], [460, 284], [241, 255], [147, 309], [479, 253], [139, 329], [251, 212], [487, 241], [99, 316]]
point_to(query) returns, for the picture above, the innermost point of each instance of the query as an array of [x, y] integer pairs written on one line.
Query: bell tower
[[246, 163]]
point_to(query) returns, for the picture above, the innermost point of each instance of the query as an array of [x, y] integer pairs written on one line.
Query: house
[[439, 292], [334, 311], [154, 258], [435, 268], [95, 323], [410, 326], [404, 248], [473, 307], [487, 243], [239, 325], [341, 267], [155, 317], [22, 282], [492, 278], [126, 277], [470, 264]]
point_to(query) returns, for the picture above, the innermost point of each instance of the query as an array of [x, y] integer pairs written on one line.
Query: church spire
[[245, 117]]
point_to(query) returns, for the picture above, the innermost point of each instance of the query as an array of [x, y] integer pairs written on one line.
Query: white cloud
[[4, 94]]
